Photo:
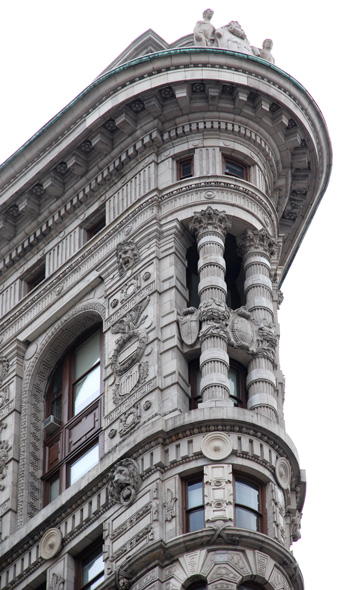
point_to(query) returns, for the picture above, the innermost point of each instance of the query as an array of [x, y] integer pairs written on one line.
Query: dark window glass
[[91, 571], [237, 381], [235, 291], [192, 276], [232, 168], [185, 168], [194, 376]]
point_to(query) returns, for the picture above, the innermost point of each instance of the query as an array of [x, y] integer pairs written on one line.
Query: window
[[194, 504], [90, 569], [234, 168], [248, 505], [234, 275], [185, 168], [192, 276], [237, 383], [237, 380], [73, 415], [33, 278]]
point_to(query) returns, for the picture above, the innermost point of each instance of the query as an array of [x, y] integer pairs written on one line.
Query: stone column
[[210, 227], [257, 247]]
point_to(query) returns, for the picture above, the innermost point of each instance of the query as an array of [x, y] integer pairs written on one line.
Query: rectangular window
[[90, 568], [237, 380], [33, 278], [84, 463], [248, 505], [194, 505], [185, 168], [234, 168]]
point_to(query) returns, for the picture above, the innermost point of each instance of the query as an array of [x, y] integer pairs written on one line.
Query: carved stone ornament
[[4, 455], [283, 473], [57, 582], [204, 30], [209, 219], [213, 330], [130, 420], [4, 367], [242, 330], [130, 381], [124, 482], [259, 241], [216, 446], [169, 505], [266, 341], [127, 255], [189, 325], [132, 343], [50, 543], [214, 310]]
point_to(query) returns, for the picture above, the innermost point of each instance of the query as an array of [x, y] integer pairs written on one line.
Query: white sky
[[52, 50]]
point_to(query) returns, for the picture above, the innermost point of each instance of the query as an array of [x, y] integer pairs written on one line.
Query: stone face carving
[[127, 255], [216, 446], [265, 52], [233, 37], [50, 544], [204, 30], [125, 482], [189, 325]]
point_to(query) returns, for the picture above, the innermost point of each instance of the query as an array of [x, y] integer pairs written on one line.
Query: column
[[210, 227], [257, 247]]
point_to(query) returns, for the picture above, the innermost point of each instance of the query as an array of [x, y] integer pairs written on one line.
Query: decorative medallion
[[50, 544], [242, 329], [216, 446], [283, 473]]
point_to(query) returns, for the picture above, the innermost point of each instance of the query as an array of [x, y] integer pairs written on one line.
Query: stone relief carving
[[133, 337], [130, 288], [204, 30], [213, 310], [122, 579], [253, 240], [295, 526], [50, 543], [216, 446], [57, 582], [4, 368], [266, 341], [189, 325], [130, 420], [124, 482], [233, 37], [130, 381], [209, 219], [242, 330], [127, 255], [283, 473], [169, 505], [278, 510], [4, 455], [218, 493]]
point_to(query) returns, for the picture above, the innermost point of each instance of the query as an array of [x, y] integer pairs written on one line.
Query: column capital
[[254, 241], [209, 220]]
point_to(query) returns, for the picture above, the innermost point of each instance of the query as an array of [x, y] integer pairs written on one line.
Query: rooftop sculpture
[[230, 36]]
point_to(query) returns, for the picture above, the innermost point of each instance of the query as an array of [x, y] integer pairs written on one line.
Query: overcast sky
[[50, 51]]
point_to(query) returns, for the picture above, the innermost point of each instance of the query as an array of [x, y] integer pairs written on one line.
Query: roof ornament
[[230, 36]]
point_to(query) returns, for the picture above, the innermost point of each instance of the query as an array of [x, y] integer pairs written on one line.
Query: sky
[[52, 50]]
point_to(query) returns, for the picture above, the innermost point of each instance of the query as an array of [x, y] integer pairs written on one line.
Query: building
[[145, 232]]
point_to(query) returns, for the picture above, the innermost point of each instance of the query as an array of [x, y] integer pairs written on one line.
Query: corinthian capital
[[209, 220], [259, 241]]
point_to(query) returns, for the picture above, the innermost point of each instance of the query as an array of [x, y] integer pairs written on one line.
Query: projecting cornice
[[102, 123]]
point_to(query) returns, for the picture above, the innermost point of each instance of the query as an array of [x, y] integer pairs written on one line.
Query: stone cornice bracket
[[209, 220], [254, 241]]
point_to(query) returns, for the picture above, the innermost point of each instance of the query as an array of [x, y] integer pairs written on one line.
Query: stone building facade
[[145, 232]]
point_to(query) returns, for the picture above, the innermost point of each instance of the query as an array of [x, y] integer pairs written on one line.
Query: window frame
[[180, 163], [236, 162], [261, 488], [62, 446], [186, 482], [95, 550]]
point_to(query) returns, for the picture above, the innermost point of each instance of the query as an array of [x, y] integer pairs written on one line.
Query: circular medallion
[[283, 473], [50, 544], [216, 446]]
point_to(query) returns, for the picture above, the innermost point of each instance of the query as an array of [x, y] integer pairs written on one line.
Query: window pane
[[83, 464], [87, 355], [196, 520], [86, 390], [246, 519], [247, 494], [233, 379], [93, 570], [234, 169], [194, 494], [54, 489]]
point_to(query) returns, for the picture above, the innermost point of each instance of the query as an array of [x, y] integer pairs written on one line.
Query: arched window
[[73, 415]]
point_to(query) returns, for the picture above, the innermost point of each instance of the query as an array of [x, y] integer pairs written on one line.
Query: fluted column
[[257, 247], [210, 227]]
